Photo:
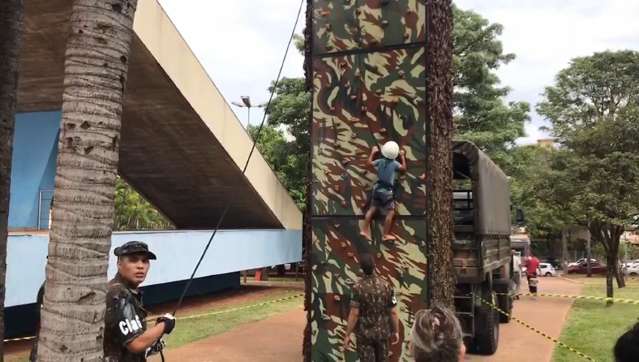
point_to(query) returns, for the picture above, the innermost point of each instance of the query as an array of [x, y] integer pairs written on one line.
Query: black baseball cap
[[134, 247]]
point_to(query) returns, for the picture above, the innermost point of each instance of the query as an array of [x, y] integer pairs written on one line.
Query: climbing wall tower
[[368, 78]]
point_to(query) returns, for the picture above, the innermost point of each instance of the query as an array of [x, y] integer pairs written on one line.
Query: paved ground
[[519, 344], [254, 291], [275, 339], [280, 338]]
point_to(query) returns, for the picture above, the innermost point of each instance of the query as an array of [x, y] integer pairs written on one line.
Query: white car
[[547, 270], [631, 269], [581, 261], [630, 263]]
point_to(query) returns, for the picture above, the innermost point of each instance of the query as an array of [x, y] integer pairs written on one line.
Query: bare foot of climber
[[365, 229]]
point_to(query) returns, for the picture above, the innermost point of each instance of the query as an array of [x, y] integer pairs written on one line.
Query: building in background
[[181, 147]]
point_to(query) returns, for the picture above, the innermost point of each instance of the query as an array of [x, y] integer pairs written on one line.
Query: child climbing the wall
[[383, 194]]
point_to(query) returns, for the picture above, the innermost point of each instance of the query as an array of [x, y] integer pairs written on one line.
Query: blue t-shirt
[[386, 170]]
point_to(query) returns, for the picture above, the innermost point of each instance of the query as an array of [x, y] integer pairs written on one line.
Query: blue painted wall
[[177, 252], [35, 149]]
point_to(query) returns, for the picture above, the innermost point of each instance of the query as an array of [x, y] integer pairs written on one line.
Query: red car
[[581, 268]]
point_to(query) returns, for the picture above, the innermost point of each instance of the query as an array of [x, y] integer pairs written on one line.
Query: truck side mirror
[[520, 219]]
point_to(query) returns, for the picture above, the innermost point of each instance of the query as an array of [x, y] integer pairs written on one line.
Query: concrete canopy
[[182, 147]]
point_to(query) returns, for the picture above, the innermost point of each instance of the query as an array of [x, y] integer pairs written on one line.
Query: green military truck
[[366, 69], [482, 247]]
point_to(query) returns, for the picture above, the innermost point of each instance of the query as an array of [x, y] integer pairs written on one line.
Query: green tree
[[481, 114], [594, 111], [134, 212], [529, 170], [284, 157]]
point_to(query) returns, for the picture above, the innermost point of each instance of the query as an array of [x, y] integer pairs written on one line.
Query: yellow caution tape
[[250, 306], [586, 297], [548, 337]]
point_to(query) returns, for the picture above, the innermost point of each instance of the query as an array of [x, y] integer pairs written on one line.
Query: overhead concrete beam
[[182, 146]]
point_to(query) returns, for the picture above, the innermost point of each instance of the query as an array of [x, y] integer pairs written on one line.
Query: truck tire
[[487, 325], [504, 299], [505, 304]]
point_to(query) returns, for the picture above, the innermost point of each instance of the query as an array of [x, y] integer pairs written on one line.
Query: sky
[[241, 42]]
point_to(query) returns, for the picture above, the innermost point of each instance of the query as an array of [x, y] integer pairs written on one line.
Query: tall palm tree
[[439, 90], [95, 73], [11, 12]]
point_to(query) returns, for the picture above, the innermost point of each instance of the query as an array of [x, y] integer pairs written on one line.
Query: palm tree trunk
[[11, 12], [307, 229], [95, 72], [441, 286]]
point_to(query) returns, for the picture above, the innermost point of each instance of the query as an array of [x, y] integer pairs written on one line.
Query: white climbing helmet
[[390, 150]]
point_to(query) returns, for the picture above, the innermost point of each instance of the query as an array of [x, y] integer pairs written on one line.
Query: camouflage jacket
[[125, 320], [375, 299]]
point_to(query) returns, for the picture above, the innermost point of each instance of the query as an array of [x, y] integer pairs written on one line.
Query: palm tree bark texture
[[95, 73], [11, 13], [439, 91], [307, 228]]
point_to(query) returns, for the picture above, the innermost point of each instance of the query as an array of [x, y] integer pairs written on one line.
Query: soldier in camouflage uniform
[[373, 315], [126, 338]]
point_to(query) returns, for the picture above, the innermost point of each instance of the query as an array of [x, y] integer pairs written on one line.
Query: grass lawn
[[593, 328], [190, 330]]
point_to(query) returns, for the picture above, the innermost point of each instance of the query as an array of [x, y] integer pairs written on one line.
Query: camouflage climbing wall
[[369, 84]]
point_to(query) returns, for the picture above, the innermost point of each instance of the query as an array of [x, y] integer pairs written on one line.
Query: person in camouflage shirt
[[126, 337], [373, 316]]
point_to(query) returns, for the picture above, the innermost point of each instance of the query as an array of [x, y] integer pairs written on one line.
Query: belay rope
[[248, 159], [257, 137]]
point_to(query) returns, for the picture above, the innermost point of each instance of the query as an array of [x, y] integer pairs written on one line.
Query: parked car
[[581, 268], [546, 270], [630, 263], [631, 269], [554, 262], [581, 261]]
